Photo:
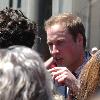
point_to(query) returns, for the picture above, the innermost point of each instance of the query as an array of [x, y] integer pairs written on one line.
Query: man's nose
[[55, 50]]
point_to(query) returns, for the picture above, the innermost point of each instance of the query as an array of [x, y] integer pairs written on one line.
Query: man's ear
[[79, 39]]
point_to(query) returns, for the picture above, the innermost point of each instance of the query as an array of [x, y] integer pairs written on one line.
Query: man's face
[[62, 47]]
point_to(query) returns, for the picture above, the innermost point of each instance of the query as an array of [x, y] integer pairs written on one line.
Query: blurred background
[[41, 10]]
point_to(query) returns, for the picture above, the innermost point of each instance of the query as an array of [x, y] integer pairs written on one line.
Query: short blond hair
[[23, 75]]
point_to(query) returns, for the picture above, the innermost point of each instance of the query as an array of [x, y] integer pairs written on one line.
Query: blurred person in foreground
[[90, 79], [67, 41], [23, 76], [16, 29]]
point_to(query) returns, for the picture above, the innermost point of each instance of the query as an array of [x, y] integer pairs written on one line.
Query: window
[[10, 3], [18, 3]]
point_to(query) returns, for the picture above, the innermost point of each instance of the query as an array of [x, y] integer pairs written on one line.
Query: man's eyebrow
[[48, 42]]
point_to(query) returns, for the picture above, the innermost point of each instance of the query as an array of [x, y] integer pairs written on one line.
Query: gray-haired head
[[22, 75]]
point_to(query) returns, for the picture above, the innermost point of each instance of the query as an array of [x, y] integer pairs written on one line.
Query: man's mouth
[[59, 60]]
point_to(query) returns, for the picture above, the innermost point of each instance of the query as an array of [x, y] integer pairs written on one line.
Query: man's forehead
[[56, 27], [55, 37]]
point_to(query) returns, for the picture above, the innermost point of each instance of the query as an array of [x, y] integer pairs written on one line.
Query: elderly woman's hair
[[22, 75]]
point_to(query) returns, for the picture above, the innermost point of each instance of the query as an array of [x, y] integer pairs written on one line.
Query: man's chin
[[60, 65]]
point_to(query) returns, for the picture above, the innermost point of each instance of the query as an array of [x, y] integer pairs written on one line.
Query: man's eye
[[50, 44], [60, 42]]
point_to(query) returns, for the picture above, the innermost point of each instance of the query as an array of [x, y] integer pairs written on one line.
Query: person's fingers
[[61, 75], [57, 69], [52, 70], [56, 73], [48, 62], [60, 72], [62, 79]]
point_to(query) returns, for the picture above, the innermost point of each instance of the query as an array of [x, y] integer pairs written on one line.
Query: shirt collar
[[86, 58]]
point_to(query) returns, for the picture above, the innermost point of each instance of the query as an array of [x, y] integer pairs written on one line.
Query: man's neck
[[77, 63]]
